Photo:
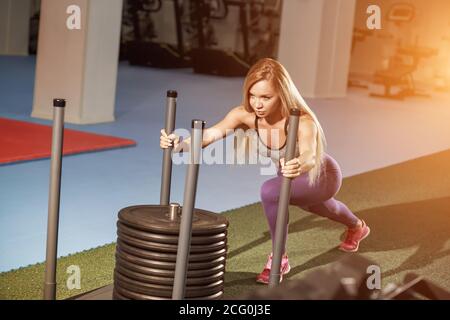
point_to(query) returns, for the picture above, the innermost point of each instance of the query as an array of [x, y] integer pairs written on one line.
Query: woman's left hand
[[290, 169]]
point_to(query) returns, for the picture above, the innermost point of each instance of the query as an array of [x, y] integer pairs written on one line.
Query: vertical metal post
[[283, 204], [53, 200], [166, 174], [190, 189]]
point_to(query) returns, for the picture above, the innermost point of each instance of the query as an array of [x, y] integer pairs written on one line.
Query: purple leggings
[[317, 199]]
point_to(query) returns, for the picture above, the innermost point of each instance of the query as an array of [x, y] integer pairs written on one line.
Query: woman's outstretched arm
[[218, 131]]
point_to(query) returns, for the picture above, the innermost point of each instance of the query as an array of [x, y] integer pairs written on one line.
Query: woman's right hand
[[166, 141]]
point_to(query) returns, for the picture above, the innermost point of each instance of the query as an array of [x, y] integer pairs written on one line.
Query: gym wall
[[78, 64], [315, 45]]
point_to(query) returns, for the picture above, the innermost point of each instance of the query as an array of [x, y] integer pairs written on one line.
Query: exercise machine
[[159, 254], [256, 36], [146, 49], [397, 81], [359, 35]]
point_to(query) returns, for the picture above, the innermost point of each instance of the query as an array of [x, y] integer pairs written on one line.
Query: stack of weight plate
[[147, 249]]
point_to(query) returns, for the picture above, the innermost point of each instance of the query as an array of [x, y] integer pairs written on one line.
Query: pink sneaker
[[263, 277], [353, 237]]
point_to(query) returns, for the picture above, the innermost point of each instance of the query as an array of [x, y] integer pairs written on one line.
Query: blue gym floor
[[95, 186]]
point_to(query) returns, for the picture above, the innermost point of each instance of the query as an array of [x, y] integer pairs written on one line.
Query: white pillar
[[14, 27], [79, 65], [315, 45]]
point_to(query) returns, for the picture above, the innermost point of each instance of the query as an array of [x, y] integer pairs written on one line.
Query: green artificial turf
[[407, 207]]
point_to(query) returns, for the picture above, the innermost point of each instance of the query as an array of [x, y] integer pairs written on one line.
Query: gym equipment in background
[[359, 35], [442, 74], [34, 27], [396, 81], [255, 38], [146, 49]]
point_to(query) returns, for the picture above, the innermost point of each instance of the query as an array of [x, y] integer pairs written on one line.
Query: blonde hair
[[271, 70]]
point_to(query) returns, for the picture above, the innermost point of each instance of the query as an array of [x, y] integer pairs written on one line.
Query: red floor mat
[[23, 141]]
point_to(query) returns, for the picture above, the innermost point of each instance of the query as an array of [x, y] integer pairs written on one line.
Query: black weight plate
[[167, 273], [155, 218], [164, 247], [166, 291], [130, 295], [170, 239], [127, 294], [167, 265], [168, 281], [171, 257], [215, 296]]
